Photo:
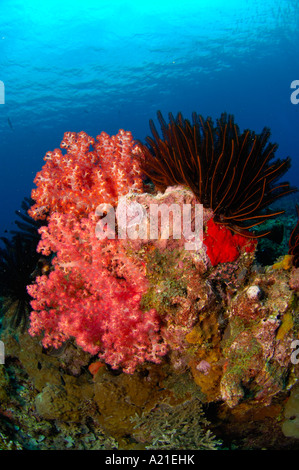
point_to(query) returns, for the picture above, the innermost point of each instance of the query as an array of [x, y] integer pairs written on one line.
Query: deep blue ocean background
[[104, 65]]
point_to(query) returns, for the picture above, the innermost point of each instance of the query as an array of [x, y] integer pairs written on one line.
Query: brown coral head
[[231, 172]]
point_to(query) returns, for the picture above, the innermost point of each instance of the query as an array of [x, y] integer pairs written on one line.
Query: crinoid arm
[[231, 172]]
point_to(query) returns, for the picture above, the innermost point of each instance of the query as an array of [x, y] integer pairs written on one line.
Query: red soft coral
[[89, 174], [223, 246], [94, 289], [93, 295]]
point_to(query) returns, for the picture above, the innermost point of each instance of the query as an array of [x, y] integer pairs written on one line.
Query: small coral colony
[[131, 300]]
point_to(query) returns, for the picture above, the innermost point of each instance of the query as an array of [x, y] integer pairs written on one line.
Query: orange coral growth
[[95, 366], [285, 263]]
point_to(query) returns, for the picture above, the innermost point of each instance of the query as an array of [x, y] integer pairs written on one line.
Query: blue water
[[104, 65]]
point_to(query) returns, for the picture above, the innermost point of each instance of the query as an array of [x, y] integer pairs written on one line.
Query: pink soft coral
[[94, 289], [91, 172], [93, 295]]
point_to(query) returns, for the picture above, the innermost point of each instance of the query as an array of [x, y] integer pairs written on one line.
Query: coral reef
[[49, 407], [257, 346], [172, 336]]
